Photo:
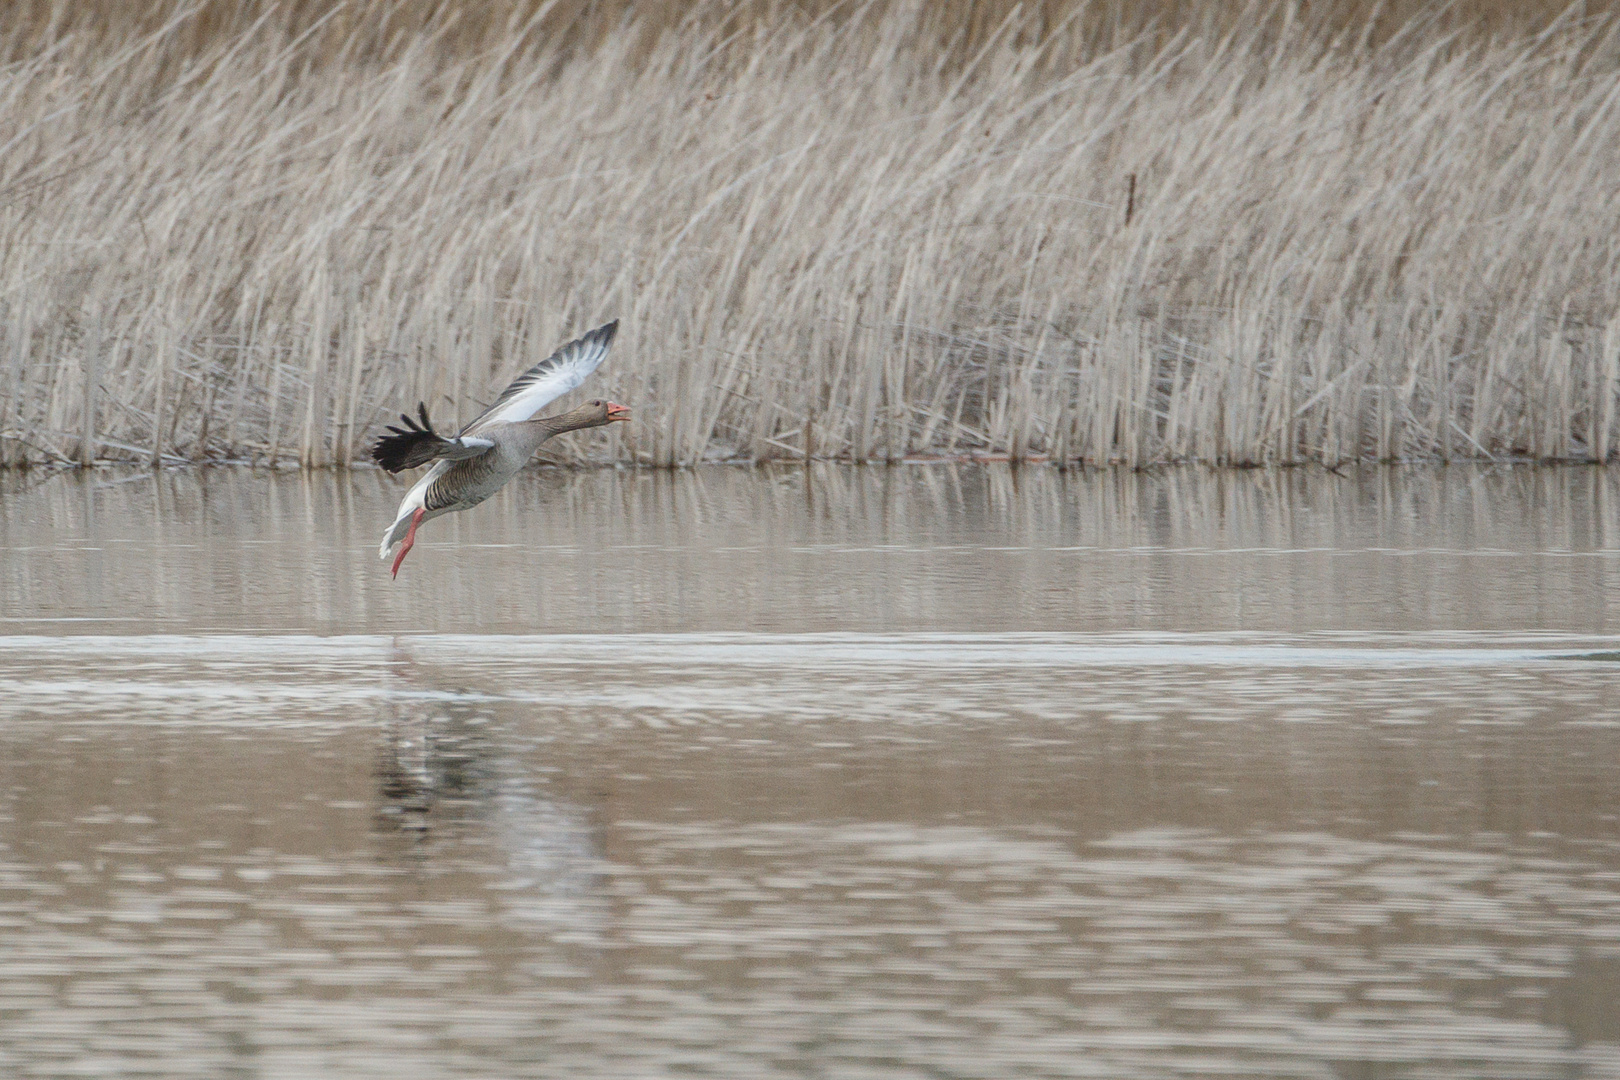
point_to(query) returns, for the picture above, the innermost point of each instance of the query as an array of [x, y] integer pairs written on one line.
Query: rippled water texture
[[910, 772]]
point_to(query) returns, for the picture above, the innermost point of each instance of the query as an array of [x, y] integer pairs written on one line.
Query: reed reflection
[[948, 547]]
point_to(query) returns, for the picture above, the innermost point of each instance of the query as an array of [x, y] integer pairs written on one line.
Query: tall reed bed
[[1254, 238]]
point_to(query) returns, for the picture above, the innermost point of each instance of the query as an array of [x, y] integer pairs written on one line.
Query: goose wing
[[416, 444], [548, 380]]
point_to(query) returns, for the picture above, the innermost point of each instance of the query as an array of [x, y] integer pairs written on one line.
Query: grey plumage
[[577, 353], [489, 451]]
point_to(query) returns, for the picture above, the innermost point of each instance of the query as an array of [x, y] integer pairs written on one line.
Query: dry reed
[[857, 234]]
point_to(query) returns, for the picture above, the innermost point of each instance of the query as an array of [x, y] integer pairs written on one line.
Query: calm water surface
[[913, 772]]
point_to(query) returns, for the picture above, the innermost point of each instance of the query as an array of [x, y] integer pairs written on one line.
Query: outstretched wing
[[417, 444], [548, 380]]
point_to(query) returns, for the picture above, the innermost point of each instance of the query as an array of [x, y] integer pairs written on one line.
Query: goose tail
[[414, 500]]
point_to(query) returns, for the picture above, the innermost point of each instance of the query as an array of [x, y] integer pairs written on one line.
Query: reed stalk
[[1103, 232]]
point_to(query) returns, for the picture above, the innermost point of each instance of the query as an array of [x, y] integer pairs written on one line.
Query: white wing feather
[[464, 446], [549, 380]]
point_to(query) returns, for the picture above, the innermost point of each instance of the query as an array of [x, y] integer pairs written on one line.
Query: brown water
[[912, 772]]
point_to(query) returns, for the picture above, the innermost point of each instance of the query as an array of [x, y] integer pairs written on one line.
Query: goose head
[[594, 413]]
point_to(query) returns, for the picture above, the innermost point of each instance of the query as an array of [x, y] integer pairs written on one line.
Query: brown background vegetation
[[1105, 232]]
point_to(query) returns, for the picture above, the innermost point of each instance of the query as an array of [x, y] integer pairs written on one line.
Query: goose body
[[488, 452]]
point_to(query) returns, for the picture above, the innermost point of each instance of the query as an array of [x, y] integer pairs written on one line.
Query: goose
[[489, 451]]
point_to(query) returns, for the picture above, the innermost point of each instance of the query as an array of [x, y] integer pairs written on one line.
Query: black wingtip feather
[[408, 446]]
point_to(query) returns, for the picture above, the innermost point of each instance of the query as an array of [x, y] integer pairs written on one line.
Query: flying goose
[[487, 453]]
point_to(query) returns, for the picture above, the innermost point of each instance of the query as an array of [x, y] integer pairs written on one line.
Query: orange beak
[[617, 412]]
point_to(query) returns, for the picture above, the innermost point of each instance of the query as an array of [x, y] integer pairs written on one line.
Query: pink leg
[[410, 538]]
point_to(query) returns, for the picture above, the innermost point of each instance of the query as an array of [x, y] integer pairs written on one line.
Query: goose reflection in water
[[455, 798]]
